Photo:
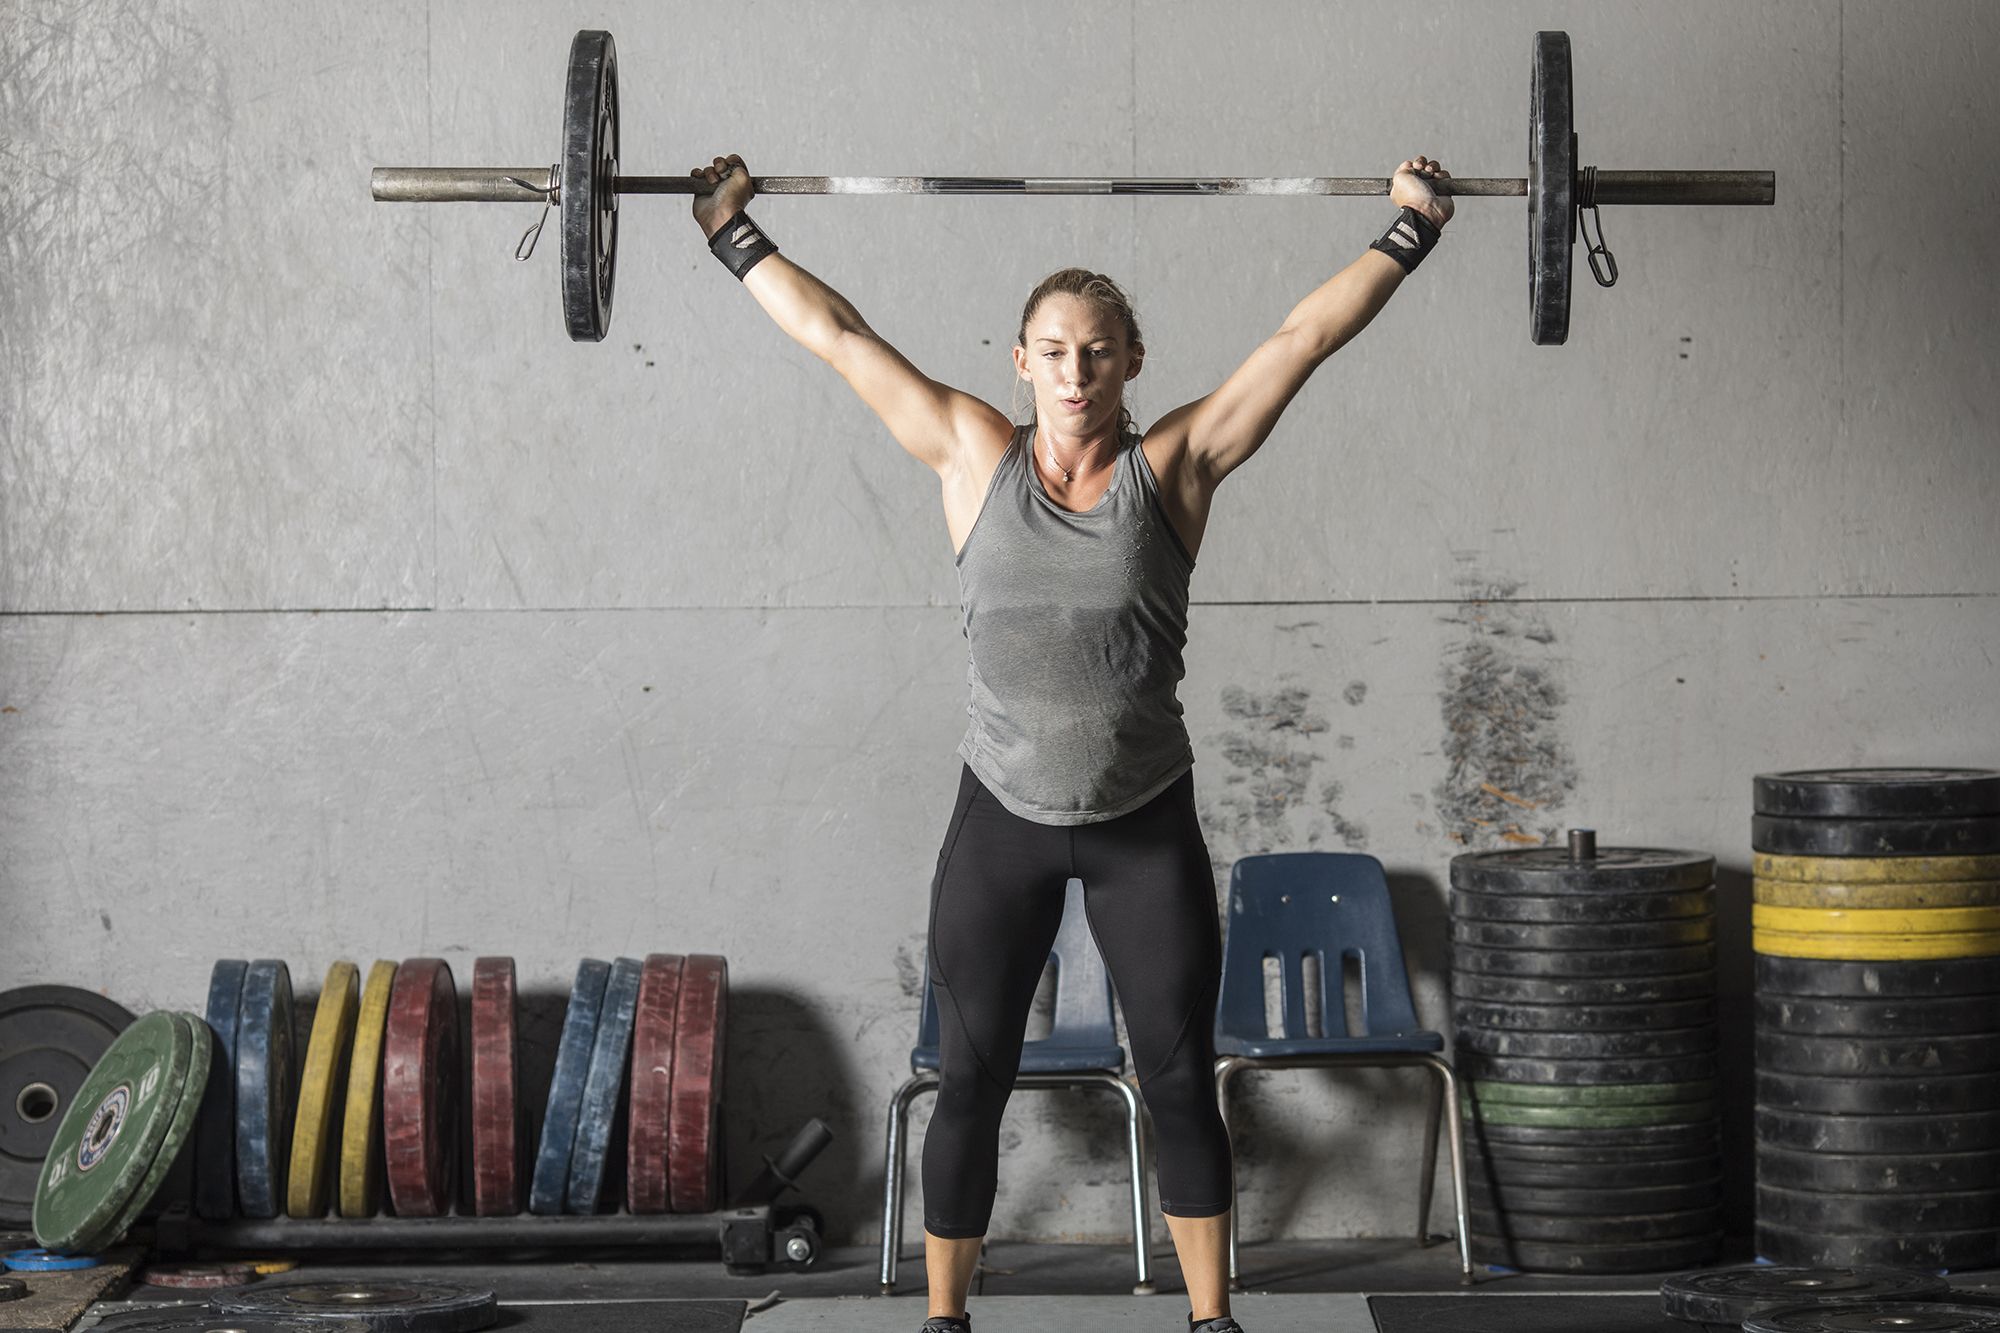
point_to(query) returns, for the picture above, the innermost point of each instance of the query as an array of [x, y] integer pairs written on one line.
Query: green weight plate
[[1836, 979], [1584, 1017], [1581, 1257], [104, 1149], [1597, 1229], [1522, 1069], [589, 195], [1504, 1174], [1565, 936], [1583, 963], [1807, 1016], [1582, 909], [1874, 869], [1731, 1295], [1965, 835], [1875, 1057], [1585, 990], [1548, 871], [1966, 1131], [1683, 1196], [1894, 1095], [1645, 1044], [1933, 1250], [50, 1038], [1505, 1156], [1877, 793], [1876, 1173], [1696, 1135], [1593, 1117], [1551, 189], [1878, 1214], [1487, 1092], [180, 1129], [1861, 897]]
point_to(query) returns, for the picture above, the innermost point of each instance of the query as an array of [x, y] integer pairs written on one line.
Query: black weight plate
[[1642, 1045], [1878, 793], [1579, 935], [1584, 1017], [1547, 871], [1598, 909], [12, 1288], [1535, 1257], [1896, 1095], [1506, 1157], [589, 193], [265, 1088], [1963, 835], [1551, 189], [1861, 1213], [201, 1319], [1522, 1069], [215, 1130], [1833, 979], [1688, 1196], [1877, 1057], [1506, 1174], [1582, 990], [1571, 964], [50, 1039], [1902, 1316], [1699, 1136], [1876, 1173], [1731, 1295], [1807, 1016], [404, 1305], [1968, 1131], [1627, 1229], [1934, 1250]]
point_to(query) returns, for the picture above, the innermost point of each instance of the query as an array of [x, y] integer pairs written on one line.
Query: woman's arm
[[928, 419], [1219, 432]]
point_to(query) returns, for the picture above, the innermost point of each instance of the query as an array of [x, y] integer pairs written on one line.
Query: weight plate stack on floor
[[51, 1037], [1876, 926], [1583, 985], [1725, 1297]]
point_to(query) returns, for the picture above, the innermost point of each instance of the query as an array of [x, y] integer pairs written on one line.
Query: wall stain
[[1266, 800], [1509, 768]]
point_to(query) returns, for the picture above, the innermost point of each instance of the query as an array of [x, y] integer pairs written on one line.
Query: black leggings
[[995, 906]]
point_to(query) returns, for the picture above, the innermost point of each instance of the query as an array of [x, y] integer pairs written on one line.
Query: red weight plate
[[646, 1140], [420, 1088], [198, 1275], [496, 1114], [694, 1119]]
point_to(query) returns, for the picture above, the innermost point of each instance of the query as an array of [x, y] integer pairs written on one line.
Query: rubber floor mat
[[1581, 1313]]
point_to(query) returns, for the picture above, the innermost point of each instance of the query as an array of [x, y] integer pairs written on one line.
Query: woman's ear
[[1138, 360], [1021, 363]]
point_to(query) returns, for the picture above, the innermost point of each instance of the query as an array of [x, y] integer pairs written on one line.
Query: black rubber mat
[[626, 1317], [1497, 1313]]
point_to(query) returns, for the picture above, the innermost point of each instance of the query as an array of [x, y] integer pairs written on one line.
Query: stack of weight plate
[[1877, 932], [1583, 989], [51, 1037]]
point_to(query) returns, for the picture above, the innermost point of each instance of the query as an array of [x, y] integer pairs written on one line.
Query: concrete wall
[[352, 611]]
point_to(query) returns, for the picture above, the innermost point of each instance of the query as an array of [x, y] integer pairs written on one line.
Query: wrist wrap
[[739, 244], [1409, 238]]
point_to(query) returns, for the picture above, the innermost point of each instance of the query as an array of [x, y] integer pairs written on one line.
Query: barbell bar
[[1557, 190]]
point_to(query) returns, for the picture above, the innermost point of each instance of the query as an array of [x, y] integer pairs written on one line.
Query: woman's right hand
[[733, 190]]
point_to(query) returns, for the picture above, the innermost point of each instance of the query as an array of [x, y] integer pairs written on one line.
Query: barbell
[[585, 184]]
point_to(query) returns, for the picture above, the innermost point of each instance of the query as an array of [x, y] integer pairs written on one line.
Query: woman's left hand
[[1410, 187]]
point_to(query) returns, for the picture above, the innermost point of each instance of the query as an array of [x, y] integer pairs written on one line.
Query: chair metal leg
[[893, 1177], [1135, 1141], [1225, 1071], [1427, 1181], [1449, 1078]]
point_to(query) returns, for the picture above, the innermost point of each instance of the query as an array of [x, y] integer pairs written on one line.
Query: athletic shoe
[[1222, 1323], [944, 1323]]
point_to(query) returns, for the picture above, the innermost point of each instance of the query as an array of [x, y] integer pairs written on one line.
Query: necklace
[[1067, 474]]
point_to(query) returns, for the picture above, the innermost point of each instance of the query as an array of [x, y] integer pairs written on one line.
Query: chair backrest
[[1083, 1012], [1329, 905]]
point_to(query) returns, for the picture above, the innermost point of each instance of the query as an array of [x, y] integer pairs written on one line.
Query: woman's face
[[1077, 358]]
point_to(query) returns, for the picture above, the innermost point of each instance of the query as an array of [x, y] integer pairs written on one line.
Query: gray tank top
[[1075, 624]]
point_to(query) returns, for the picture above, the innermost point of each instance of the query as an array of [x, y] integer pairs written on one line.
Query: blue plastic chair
[[1332, 906], [1081, 1051]]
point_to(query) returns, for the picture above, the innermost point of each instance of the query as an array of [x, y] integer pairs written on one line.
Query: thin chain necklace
[[1068, 474]]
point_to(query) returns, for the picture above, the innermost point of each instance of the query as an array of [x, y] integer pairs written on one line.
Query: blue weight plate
[[550, 1183], [604, 1086], [215, 1133], [46, 1261], [265, 1075]]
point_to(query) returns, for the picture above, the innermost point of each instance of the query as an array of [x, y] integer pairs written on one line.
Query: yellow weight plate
[[313, 1134], [266, 1267], [1876, 920], [1875, 948], [361, 1125], [1942, 893], [1874, 869]]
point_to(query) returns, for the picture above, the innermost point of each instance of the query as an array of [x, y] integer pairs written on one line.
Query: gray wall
[[352, 611]]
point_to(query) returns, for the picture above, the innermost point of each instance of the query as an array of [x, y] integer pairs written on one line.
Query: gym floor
[[1348, 1286]]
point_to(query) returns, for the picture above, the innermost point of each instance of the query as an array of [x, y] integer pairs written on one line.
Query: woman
[[1075, 538]]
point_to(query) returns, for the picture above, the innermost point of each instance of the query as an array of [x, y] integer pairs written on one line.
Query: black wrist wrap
[[739, 244], [1409, 238]]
